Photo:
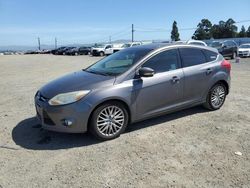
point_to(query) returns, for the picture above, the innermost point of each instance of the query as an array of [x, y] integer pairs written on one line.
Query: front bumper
[[53, 117], [95, 52], [244, 53]]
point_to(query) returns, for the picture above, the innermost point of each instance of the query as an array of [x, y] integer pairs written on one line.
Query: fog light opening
[[67, 122]]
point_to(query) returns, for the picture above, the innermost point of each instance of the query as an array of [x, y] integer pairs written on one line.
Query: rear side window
[[210, 56], [192, 56], [164, 61]]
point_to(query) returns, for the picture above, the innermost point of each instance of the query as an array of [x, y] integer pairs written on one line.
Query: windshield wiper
[[96, 72]]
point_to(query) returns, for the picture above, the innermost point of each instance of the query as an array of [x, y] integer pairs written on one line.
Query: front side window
[[118, 62], [227, 44], [192, 56], [164, 61]]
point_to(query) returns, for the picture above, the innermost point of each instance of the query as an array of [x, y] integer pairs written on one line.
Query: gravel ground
[[190, 148]]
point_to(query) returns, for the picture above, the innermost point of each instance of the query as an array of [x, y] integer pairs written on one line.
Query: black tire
[[102, 54], [93, 127], [209, 104], [233, 55]]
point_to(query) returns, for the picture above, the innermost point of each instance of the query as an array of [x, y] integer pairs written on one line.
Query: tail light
[[226, 64]]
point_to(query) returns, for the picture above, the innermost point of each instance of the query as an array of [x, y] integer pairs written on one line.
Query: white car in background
[[126, 45], [244, 50], [196, 42], [102, 49]]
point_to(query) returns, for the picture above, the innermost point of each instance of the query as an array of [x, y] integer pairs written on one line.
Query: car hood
[[244, 49], [97, 48], [76, 81]]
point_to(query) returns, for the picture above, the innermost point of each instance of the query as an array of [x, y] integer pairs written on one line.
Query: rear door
[[197, 72], [164, 90]]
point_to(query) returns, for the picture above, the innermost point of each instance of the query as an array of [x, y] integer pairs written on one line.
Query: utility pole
[[109, 39], [55, 43], [133, 32], [39, 44]]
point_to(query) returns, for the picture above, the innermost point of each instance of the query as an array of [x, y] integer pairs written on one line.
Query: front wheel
[[108, 121], [233, 55], [102, 54], [216, 97]]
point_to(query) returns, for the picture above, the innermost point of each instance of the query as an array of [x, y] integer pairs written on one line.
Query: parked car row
[[227, 48], [71, 50]]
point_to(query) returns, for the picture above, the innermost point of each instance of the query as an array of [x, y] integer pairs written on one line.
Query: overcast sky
[[80, 21]]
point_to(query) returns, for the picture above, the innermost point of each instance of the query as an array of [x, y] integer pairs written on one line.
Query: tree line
[[206, 30]]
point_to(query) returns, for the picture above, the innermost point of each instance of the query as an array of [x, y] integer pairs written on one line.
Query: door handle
[[209, 71], [175, 79]]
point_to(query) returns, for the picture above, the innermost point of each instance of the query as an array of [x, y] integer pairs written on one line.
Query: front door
[[163, 91]]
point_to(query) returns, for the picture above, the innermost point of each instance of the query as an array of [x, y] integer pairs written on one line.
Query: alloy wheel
[[218, 96], [110, 120]]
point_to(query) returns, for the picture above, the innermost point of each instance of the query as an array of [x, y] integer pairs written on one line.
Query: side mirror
[[146, 72]]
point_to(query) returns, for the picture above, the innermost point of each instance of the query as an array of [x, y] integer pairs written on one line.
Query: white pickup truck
[[102, 49], [126, 45]]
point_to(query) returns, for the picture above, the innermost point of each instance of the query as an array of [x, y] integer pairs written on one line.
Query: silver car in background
[[131, 85]]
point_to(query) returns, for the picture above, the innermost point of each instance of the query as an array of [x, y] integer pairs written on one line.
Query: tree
[[230, 29], [175, 36], [226, 29], [248, 32], [242, 32], [203, 30]]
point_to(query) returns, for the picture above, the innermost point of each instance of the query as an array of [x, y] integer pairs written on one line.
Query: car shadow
[[30, 135], [166, 118]]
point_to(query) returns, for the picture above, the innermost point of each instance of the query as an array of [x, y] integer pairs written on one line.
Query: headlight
[[66, 98]]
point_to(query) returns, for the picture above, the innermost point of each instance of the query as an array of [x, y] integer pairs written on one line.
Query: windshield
[[245, 46], [118, 62], [126, 45], [99, 46], [216, 44]]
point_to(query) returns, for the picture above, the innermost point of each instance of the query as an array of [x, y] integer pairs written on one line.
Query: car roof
[[156, 46]]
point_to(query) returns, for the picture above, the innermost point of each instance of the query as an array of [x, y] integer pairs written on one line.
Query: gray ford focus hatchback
[[132, 85]]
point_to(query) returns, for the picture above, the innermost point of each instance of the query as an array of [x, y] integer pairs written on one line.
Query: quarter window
[[192, 56], [164, 61], [210, 56]]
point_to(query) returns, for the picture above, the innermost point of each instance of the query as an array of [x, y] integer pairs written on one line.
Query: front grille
[[94, 52], [243, 52]]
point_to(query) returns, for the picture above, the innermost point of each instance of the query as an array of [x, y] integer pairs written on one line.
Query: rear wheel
[[109, 120], [216, 97]]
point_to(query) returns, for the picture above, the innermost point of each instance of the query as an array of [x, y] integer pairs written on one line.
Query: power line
[[125, 31], [243, 21]]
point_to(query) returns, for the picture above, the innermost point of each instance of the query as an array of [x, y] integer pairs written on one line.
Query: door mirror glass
[[146, 72]]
